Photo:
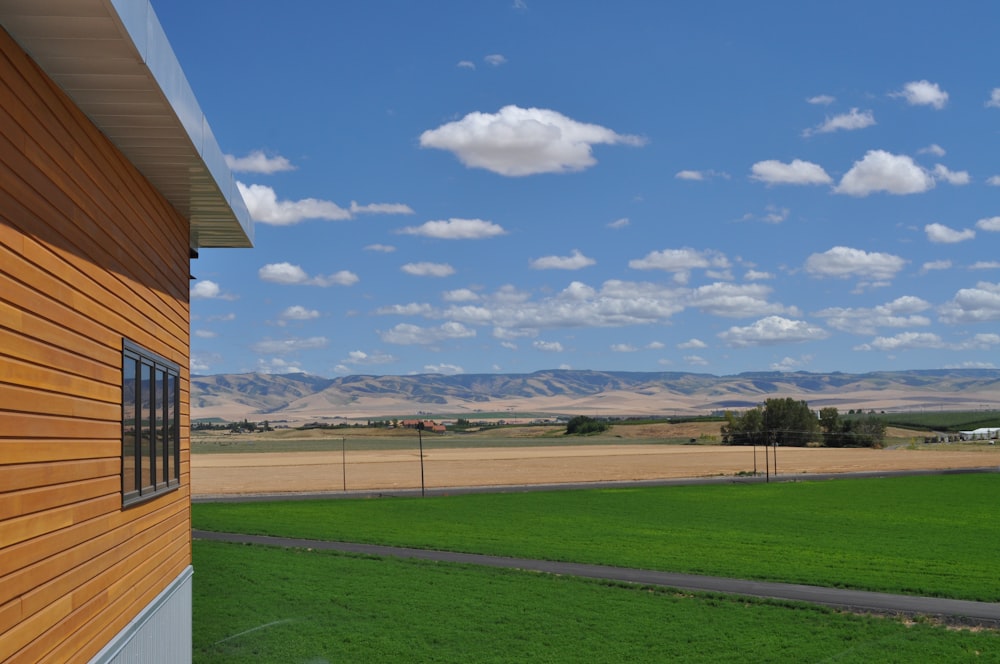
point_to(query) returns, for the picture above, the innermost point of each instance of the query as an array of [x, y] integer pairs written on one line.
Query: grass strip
[[930, 535], [262, 604]]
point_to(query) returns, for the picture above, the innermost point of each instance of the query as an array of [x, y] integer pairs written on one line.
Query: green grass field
[[935, 535], [262, 604]]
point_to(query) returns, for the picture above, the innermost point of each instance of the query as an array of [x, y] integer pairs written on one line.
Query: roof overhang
[[113, 60]]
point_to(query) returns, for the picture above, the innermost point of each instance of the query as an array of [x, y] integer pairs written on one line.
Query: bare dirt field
[[280, 472]]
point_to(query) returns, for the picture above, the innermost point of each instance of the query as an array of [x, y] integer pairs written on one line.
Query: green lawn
[[262, 604], [934, 535]]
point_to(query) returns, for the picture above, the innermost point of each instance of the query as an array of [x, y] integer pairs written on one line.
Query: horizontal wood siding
[[90, 254]]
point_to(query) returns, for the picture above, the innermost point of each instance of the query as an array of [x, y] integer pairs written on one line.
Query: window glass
[[130, 482]]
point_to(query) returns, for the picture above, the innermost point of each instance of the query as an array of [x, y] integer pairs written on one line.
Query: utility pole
[[420, 437]]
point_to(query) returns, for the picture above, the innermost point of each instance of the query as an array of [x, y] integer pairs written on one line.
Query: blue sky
[[508, 186]]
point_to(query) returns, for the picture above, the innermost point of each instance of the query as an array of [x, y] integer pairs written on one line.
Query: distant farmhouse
[[110, 183]]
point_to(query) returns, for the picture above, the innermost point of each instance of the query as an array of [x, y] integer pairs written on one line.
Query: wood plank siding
[[90, 253]]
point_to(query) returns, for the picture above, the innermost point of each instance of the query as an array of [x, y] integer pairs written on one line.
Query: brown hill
[[301, 397]]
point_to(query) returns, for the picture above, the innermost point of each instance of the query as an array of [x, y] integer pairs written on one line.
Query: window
[[151, 432]]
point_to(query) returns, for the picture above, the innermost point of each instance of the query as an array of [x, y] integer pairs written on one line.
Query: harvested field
[[277, 472]]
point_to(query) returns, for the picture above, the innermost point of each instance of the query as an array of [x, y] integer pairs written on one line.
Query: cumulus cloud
[[923, 93], [735, 300], [258, 162], [205, 334], [698, 176], [849, 121], [993, 180], [460, 295], [264, 206], [456, 229], [941, 234], [360, 357], [548, 346], [879, 170], [791, 363], [845, 262], [406, 334], [618, 224], [445, 369], [298, 312], [523, 141], [772, 330], [931, 266], [289, 274], [902, 312], [772, 215], [696, 360], [209, 290], [623, 348], [290, 345], [757, 275], [495, 59], [680, 261], [277, 365], [994, 100], [798, 172], [692, 343], [957, 178], [411, 309], [575, 261], [904, 341], [381, 248], [989, 224], [425, 269], [985, 265], [933, 149], [466, 64], [973, 305]]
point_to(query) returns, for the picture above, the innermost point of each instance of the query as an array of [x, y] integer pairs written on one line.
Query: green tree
[[581, 425], [777, 421]]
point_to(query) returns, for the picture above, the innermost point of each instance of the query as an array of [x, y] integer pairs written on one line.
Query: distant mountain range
[[305, 397]]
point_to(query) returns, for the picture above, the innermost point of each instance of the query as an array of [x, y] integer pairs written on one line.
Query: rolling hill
[[299, 397]]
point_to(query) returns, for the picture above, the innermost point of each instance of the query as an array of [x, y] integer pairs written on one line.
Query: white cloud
[[904, 341], [460, 295], [411, 309], [208, 290], [923, 93], [849, 121], [994, 100], [276, 365], [879, 170], [993, 180], [298, 312], [692, 343], [983, 341], [205, 334], [288, 274], [406, 334], [446, 369], [258, 162], [290, 345], [696, 360], [821, 100], [735, 300], [791, 363], [548, 346], [957, 178], [973, 305], [655, 345], [941, 234], [495, 59], [428, 269], [466, 64], [772, 215], [456, 229], [772, 330], [523, 141], [382, 248], [844, 262], [699, 176], [985, 265], [623, 348], [264, 206], [989, 224], [902, 312], [680, 261], [574, 262], [360, 357], [757, 275], [935, 265], [618, 224], [798, 172], [933, 149]]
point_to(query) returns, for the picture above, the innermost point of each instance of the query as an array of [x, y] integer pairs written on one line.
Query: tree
[[581, 425], [777, 421]]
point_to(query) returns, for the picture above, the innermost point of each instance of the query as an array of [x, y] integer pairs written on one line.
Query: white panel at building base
[[160, 633]]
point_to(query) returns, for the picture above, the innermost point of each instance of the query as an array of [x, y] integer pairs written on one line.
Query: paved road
[[984, 613]]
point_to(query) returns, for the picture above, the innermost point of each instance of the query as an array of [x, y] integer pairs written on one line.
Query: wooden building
[[110, 183]]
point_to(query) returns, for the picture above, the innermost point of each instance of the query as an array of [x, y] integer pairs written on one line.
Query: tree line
[[792, 423]]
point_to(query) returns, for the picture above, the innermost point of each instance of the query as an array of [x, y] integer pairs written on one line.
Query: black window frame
[[151, 443]]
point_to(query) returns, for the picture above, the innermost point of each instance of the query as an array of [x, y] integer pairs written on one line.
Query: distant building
[[110, 183], [984, 433]]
